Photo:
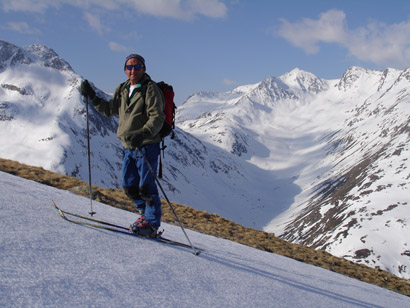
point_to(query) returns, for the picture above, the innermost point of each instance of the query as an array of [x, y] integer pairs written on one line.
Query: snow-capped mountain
[[335, 153], [318, 162], [358, 204], [43, 118]]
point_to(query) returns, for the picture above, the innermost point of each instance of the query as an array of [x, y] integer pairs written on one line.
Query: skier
[[141, 117]]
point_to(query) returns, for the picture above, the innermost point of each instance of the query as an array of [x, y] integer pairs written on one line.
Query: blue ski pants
[[139, 183]]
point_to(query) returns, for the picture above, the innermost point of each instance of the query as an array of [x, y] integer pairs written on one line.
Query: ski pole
[[195, 252], [89, 159]]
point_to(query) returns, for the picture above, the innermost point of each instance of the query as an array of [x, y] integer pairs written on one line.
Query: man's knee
[[132, 192], [145, 195]]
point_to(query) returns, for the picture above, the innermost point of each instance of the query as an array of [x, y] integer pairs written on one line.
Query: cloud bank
[[178, 9], [376, 42]]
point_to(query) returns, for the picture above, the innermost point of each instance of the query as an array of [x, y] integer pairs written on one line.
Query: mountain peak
[[48, 57], [300, 80], [356, 78], [12, 55], [298, 72]]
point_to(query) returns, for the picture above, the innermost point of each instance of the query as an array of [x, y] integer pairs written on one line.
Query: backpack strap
[[118, 94], [160, 164], [144, 89]]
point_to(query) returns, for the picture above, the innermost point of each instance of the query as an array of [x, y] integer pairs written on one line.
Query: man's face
[[134, 75]]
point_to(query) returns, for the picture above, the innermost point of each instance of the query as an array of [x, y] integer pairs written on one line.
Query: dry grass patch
[[215, 225]]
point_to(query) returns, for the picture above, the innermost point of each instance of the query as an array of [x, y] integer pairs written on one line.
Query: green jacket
[[135, 113]]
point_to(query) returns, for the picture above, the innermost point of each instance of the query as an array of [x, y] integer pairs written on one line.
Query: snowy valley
[[318, 162]]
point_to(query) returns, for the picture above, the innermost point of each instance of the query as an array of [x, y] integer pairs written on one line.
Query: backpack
[[169, 110]]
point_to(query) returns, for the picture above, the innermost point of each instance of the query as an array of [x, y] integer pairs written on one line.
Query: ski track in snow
[[49, 262]]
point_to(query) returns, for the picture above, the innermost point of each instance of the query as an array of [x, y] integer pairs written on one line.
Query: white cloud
[[382, 44], [209, 8], [377, 42], [36, 6], [229, 82], [117, 47], [306, 34], [21, 27], [94, 22], [181, 9], [178, 9]]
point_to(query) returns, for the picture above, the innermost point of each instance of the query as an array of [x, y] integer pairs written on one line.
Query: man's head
[[134, 68]]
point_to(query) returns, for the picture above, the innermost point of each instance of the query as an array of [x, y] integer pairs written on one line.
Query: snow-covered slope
[[49, 262], [318, 162]]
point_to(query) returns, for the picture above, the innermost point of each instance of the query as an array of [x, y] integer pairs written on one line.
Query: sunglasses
[[137, 67]]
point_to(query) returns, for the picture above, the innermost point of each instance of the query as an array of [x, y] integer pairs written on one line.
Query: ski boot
[[143, 228]]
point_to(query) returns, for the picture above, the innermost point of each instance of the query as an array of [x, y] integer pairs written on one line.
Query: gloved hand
[[137, 139], [86, 90]]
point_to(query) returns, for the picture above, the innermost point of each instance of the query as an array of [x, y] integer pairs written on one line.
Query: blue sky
[[213, 45]]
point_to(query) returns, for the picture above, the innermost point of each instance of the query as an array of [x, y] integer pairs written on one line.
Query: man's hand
[[137, 139], [86, 90]]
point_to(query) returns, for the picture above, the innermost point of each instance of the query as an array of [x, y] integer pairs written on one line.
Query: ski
[[100, 224], [63, 213]]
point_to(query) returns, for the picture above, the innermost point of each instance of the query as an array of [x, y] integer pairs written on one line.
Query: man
[[139, 103]]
